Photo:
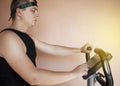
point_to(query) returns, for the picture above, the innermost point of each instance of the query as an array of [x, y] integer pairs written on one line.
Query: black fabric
[[8, 77]]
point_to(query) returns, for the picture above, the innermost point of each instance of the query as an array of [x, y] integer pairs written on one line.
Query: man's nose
[[37, 14]]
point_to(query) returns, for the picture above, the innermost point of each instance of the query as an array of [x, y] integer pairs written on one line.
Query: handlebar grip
[[105, 66]]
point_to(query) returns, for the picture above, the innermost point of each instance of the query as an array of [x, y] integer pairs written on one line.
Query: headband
[[22, 6]]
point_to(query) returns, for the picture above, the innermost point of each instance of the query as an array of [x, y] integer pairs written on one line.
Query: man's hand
[[81, 69]]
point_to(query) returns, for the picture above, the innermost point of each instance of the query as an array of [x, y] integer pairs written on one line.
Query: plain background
[[73, 23]]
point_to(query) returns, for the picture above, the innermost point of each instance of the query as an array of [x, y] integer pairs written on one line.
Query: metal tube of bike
[[91, 80]]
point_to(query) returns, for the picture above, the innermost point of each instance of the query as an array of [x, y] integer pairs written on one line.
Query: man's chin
[[33, 24]]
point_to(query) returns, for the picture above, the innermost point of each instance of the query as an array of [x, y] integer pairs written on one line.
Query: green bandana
[[22, 6]]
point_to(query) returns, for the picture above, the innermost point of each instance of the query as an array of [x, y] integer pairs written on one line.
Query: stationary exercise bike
[[101, 59]]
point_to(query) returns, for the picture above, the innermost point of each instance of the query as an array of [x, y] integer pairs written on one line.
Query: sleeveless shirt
[[8, 77]]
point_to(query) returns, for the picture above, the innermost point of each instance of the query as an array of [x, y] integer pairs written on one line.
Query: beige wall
[[74, 23]]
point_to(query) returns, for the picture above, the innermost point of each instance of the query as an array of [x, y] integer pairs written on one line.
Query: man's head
[[22, 4]]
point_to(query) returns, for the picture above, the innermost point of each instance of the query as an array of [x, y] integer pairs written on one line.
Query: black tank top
[[8, 77]]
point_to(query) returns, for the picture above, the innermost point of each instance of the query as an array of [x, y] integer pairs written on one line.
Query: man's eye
[[33, 11]]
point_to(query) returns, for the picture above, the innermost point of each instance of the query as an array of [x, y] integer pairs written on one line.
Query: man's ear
[[19, 12]]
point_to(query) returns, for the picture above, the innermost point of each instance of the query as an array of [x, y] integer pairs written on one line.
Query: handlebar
[[95, 64], [105, 66]]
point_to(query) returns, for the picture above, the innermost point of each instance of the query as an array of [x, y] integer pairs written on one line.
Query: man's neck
[[19, 26]]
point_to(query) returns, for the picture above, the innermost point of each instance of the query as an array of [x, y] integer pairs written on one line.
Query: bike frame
[[92, 76]]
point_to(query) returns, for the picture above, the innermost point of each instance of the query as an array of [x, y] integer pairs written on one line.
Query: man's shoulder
[[10, 43], [8, 36]]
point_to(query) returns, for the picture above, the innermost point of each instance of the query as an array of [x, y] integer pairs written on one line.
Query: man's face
[[30, 15]]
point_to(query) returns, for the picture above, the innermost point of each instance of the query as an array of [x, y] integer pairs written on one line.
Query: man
[[18, 51]]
